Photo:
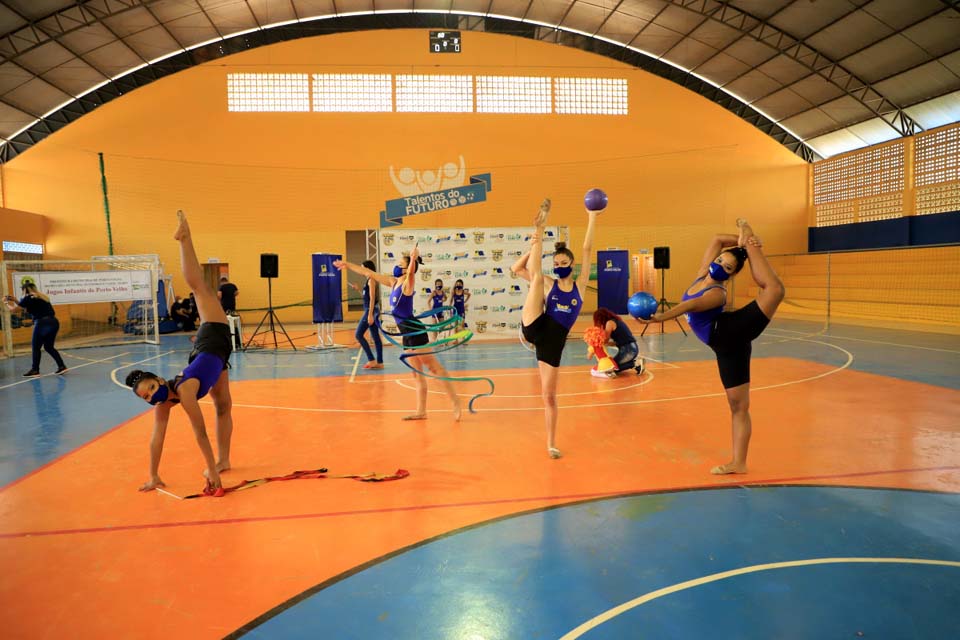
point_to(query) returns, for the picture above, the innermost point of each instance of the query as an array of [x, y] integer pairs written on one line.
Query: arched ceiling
[[820, 76]]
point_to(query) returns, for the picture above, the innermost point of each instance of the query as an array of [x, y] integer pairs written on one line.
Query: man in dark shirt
[[228, 295], [180, 312]]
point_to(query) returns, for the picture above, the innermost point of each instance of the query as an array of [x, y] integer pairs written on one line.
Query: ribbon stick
[[313, 474], [438, 346]]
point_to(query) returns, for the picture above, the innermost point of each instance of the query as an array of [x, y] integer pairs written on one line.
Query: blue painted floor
[[543, 574]]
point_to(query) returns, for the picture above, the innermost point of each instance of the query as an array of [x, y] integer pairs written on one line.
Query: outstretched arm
[[587, 260], [363, 271], [161, 415], [410, 277], [709, 300]]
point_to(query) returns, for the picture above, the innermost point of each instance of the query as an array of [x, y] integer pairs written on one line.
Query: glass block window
[[861, 174], [336, 92], [513, 94], [22, 247], [593, 96], [268, 92], [937, 170], [434, 94]]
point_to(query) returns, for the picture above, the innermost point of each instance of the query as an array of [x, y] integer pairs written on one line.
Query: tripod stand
[[274, 322], [663, 305]]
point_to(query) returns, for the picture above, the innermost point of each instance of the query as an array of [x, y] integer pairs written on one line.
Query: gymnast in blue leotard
[[551, 309], [206, 372], [415, 338]]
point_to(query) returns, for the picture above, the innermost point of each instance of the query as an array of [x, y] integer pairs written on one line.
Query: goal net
[[104, 301]]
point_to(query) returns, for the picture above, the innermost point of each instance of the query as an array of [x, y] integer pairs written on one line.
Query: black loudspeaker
[[269, 265], [661, 257]]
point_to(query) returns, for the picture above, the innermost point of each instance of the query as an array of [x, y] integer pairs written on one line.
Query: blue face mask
[[562, 272], [160, 395], [397, 271], [717, 272]]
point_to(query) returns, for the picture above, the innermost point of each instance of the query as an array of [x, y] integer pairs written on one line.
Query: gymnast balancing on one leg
[[402, 291], [206, 372], [551, 309], [730, 333]]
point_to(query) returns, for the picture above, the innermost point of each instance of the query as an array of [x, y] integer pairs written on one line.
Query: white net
[[105, 301]]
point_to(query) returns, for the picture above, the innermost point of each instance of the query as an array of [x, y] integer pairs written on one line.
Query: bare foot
[[415, 416], [727, 469], [541, 218], [183, 229], [457, 412], [553, 452], [223, 465]]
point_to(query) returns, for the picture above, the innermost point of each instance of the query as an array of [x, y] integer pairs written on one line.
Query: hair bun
[[560, 245]]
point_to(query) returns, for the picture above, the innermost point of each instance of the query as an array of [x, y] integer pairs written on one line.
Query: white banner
[[72, 287], [481, 257]]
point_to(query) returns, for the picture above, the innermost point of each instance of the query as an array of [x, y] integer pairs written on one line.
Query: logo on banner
[[389, 255], [440, 197], [514, 325], [326, 273], [514, 236], [444, 256], [494, 292], [443, 239], [479, 255], [515, 290], [445, 272], [497, 272], [478, 237], [461, 256], [425, 274], [479, 273], [547, 234], [515, 254], [461, 274], [497, 255], [516, 307], [388, 239], [498, 308], [481, 326], [460, 237], [611, 268], [500, 325]]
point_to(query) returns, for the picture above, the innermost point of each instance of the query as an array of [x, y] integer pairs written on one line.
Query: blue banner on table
[[327, 288], [613, 280], [398, 209]]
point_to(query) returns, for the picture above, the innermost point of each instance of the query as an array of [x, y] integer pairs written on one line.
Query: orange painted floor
[[84, 555]]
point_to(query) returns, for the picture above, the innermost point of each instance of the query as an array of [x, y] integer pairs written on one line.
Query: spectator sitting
[[180, 312]]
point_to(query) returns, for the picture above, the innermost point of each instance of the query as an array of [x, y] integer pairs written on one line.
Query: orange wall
[[678, 169], [21, 226]]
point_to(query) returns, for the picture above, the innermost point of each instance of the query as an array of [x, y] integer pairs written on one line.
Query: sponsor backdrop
[[481, 257]]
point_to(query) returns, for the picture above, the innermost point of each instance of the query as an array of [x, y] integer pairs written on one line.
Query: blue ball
[[642, 305], [595, 200]]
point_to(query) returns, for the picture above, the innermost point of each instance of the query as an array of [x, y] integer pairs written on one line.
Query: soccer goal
[[103, 301]]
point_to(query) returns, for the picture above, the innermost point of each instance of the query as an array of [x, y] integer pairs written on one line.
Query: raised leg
[[208, 306], [771, 288]]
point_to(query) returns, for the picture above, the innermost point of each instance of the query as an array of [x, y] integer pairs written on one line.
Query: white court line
[[891, 344], [646, 380], [610, 614], [79, 366], [586, 406], [113, 374], [526, 372]]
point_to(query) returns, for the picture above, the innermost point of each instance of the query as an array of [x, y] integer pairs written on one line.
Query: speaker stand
[[663, 306], [274, 322]]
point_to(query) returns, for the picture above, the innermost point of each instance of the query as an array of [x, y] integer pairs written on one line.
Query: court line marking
[[838, 369], [610, 614], [763, 482], [113, 374], [891, 344], [69, 369], [647, 378]]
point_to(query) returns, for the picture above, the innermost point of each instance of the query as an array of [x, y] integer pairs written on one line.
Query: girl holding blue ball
[[730, 333], [551, 308]]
